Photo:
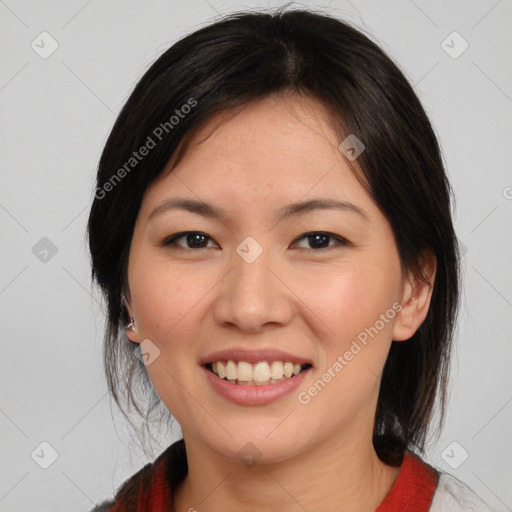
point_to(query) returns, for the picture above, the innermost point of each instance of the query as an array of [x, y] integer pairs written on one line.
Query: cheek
[[167, 300], [157, 306], [163, 296], [352, 298], [354, 350], [173, 302]]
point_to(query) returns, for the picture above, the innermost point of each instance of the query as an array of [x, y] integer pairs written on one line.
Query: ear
[[131, 333], [416, 295]]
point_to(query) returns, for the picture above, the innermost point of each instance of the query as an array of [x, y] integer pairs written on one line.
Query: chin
[[257, 446]]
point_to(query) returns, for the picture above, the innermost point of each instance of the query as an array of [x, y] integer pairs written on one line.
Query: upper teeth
[[259, 373]]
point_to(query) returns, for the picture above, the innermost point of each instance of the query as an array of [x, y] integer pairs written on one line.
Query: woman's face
[[250, 283]]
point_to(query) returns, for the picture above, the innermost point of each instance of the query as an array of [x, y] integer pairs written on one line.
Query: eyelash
[[169, 242]]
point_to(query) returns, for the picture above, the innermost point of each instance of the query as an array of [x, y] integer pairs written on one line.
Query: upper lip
[[253, 356]]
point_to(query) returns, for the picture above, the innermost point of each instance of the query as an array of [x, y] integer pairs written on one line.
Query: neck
[[337, 475]]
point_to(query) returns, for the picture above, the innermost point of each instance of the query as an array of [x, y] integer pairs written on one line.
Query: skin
[[192, 301]]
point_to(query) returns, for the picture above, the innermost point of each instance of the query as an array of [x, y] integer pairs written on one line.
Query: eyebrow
[[294, 209]]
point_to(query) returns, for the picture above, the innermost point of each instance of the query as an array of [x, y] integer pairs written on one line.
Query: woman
[[272, 226]]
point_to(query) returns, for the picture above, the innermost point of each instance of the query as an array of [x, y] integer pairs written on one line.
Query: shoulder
[[149, 483], [452, 495], [128, 491], [104, 506]]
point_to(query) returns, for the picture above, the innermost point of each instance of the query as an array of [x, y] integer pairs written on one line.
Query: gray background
[[56, 113]]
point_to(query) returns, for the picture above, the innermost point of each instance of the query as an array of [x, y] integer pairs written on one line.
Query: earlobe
[[131, 331], [417, 293], [131, 325], [403, 327]]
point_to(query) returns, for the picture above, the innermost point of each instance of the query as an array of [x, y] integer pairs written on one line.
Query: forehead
[[273, 150]]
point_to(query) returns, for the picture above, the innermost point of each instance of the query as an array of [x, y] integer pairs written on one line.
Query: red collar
[[412, 491]]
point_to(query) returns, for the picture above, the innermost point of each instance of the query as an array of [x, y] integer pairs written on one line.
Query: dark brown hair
[[250, 55]]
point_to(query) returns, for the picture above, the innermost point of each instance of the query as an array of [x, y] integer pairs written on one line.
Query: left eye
[[318, 240]]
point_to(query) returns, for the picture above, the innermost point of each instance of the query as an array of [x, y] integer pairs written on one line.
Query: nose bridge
[[251, 295], [251, 262]]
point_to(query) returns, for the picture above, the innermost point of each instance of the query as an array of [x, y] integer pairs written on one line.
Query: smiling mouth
[[262, 373]]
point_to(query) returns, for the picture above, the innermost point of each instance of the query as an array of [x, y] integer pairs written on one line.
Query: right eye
[[193, 240]]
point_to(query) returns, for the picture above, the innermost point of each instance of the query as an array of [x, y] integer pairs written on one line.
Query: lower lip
[[254, 395]]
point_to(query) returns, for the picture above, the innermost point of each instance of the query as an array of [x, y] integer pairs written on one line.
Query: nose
[[253, 295]]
